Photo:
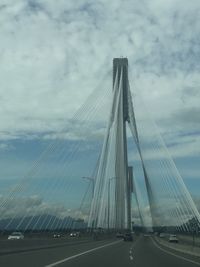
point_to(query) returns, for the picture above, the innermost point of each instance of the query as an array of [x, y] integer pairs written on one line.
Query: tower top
[[123, 61]]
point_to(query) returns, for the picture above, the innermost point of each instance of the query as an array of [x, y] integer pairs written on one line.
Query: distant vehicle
[[57, 235], [16, 236], [119, 235], [75, 234], [128, 237], [162, 235], [72, 234], [173, 239]]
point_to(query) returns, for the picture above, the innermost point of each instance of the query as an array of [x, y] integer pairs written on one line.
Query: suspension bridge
[[128, 177]]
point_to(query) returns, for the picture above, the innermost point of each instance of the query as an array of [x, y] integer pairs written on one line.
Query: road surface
[[143, 252]]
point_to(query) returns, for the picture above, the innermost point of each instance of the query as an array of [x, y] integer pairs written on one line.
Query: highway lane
[[40, 258], [27, 244], [143, 252]]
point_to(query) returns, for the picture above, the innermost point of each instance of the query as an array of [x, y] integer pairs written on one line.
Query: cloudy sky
[[54, 53]]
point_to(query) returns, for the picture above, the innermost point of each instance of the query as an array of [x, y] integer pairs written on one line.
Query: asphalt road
[[143, 252], [27, 244]]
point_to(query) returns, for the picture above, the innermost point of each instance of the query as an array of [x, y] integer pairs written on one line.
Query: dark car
[[128, 237], [57, 235], [75, 234]]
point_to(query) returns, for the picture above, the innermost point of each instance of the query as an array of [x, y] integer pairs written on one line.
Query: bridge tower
[[111, 204], [123, 199]]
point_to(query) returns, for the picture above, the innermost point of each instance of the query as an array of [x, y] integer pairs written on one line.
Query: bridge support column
[[123, 205]]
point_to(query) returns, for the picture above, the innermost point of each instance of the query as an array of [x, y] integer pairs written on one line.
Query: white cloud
[[53, 54], [5, 146], [36, 206]]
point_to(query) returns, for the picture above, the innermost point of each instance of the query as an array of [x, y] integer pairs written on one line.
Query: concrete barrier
[[181, 247]]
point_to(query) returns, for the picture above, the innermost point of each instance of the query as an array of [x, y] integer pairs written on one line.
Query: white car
[[173, 238], [162, 235], [16, 236]]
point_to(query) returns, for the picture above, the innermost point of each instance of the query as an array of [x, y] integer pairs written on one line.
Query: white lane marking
[[132, 247], [80, 254], [177, 256]]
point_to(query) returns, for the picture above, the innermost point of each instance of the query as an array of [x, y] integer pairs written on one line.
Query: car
[[16, 236], [173, 239], [119, 235], [75, 234], [128, 237], [72, 234], [57, 235], [162, 235]]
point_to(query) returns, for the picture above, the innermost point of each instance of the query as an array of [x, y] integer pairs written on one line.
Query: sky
[[53, 54]]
